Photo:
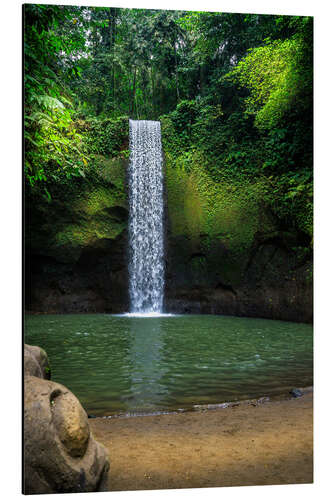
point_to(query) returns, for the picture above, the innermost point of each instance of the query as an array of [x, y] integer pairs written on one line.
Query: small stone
[[296, 393], [262, 400]]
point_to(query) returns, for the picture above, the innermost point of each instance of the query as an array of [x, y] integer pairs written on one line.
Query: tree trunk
[[112, 41], [152, 90], [176, 67], [145, 105], [133, 92], [202, 79]]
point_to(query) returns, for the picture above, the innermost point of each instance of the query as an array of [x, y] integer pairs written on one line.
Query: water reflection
[[147, 370]]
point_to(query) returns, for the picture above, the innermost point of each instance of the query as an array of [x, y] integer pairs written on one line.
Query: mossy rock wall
[[226, 253], [76, 243], [217, 219]]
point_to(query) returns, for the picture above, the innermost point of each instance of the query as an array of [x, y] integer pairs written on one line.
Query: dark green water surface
[[117, 364]]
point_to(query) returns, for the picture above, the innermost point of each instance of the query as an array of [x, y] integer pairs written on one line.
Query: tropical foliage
[[233, 93]]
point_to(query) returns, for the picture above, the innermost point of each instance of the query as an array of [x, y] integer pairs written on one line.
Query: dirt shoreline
[[249, 443]]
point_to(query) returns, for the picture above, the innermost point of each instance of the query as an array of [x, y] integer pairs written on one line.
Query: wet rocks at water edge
[[296, 393], [60, 453]]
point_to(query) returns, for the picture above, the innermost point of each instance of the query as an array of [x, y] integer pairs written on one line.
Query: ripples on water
[[124, 363]]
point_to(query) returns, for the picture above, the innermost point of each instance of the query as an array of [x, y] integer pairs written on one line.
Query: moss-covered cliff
[[227, 252], [76, 241]]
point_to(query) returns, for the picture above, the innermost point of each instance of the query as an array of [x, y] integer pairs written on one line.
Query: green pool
[[117, 364]]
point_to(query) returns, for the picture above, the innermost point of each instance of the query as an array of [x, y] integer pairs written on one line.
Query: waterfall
[[146, 246]]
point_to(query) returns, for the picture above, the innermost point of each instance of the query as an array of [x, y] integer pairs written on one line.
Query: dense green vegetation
[[233, 93]]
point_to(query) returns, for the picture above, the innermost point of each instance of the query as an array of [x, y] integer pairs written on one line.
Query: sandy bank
[[270, 443]]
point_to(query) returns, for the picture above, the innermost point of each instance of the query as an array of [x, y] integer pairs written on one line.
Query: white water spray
[[146, 245]]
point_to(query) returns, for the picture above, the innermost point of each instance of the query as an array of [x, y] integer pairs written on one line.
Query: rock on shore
[[60, 453]]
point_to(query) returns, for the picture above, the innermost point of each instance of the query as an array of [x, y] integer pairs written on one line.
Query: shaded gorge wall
[[226, 254], [76, 243]]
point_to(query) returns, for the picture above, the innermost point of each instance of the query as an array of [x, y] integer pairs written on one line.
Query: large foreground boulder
[[60, 453]]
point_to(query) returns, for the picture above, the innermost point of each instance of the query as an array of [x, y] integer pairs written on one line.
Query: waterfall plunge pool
[[118, 364]]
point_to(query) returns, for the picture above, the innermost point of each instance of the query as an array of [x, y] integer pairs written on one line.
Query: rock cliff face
[[76, 246], [272, 284], [225, 253], [95, 282]]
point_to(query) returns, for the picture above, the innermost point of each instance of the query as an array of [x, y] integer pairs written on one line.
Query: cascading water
[[146, 246]]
